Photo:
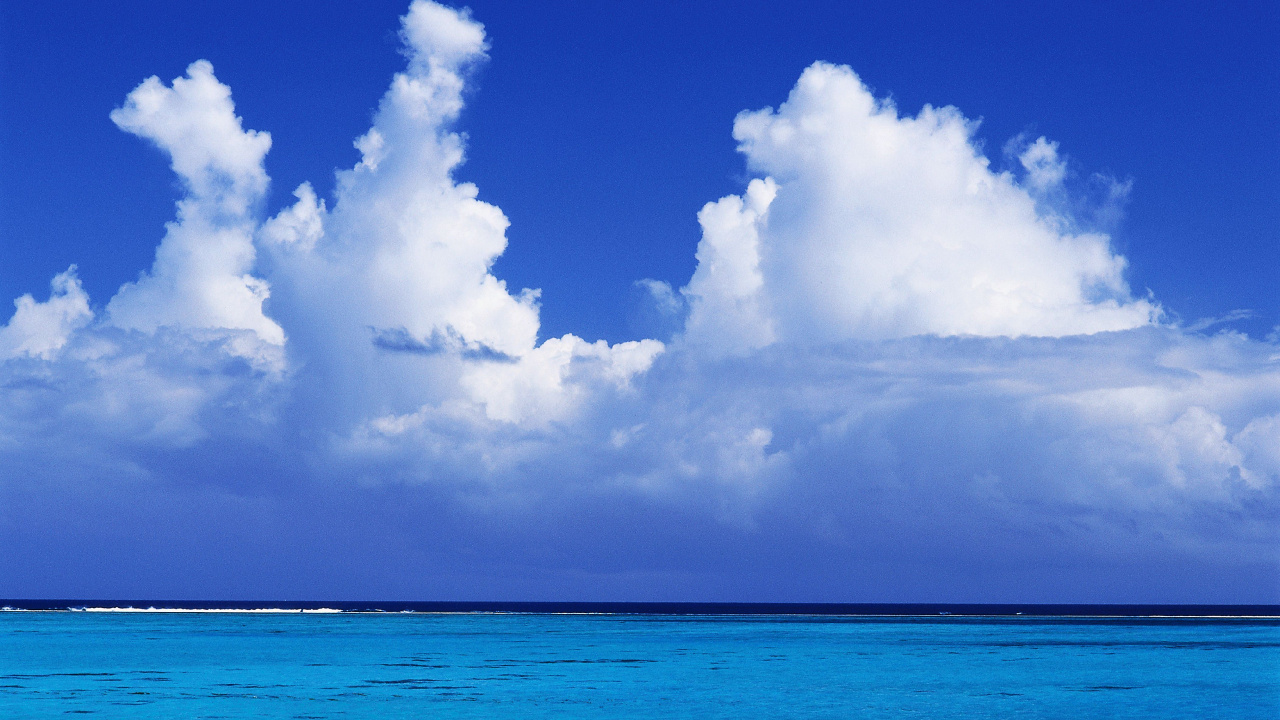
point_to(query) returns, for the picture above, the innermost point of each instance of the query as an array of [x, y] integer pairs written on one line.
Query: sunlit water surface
[[231, 665]]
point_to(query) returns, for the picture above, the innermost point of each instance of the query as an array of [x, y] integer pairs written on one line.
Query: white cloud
[[549, 382], [886, 226], [726, 313], [1259, 444], [403, 257], [404, 247], [298, 226], [41, 329], [664, 299], [891, 354], [201, 277], [1045, 170]]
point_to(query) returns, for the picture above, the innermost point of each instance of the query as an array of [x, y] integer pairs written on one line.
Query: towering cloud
[[201, 279], [401, 264]]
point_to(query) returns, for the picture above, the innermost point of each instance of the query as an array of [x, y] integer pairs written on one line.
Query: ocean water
[[486, 665]]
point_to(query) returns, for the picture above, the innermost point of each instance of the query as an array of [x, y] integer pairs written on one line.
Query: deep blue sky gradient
[[601, 128]]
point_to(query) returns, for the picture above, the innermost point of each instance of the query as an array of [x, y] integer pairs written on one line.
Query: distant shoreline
[[727, 609]]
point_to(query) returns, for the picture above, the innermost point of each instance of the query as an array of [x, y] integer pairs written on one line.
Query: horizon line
[[675, 608]]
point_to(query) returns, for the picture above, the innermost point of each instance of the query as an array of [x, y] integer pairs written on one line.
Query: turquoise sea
[[500, 665]]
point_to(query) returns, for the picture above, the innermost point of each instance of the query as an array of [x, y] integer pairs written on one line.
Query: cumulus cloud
[[883, 226], [41, 329], [201, 277], [402, 260], [900, 374], [404, 247], [548, 381], [726, 310], [1044, 168], [1259, 447]]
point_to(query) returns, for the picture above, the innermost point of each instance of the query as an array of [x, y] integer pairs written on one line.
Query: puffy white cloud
[[300, 225], [194, 122], [402, 260], [886, 226], [1197, 448], [439, 36], [41, 329], [1044, 168], [404, 247], [201, 278], [726, 313], [1259, 443], [548, 382]]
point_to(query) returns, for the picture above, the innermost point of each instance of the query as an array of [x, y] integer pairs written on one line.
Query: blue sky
[[905, 355], [618, 116]]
